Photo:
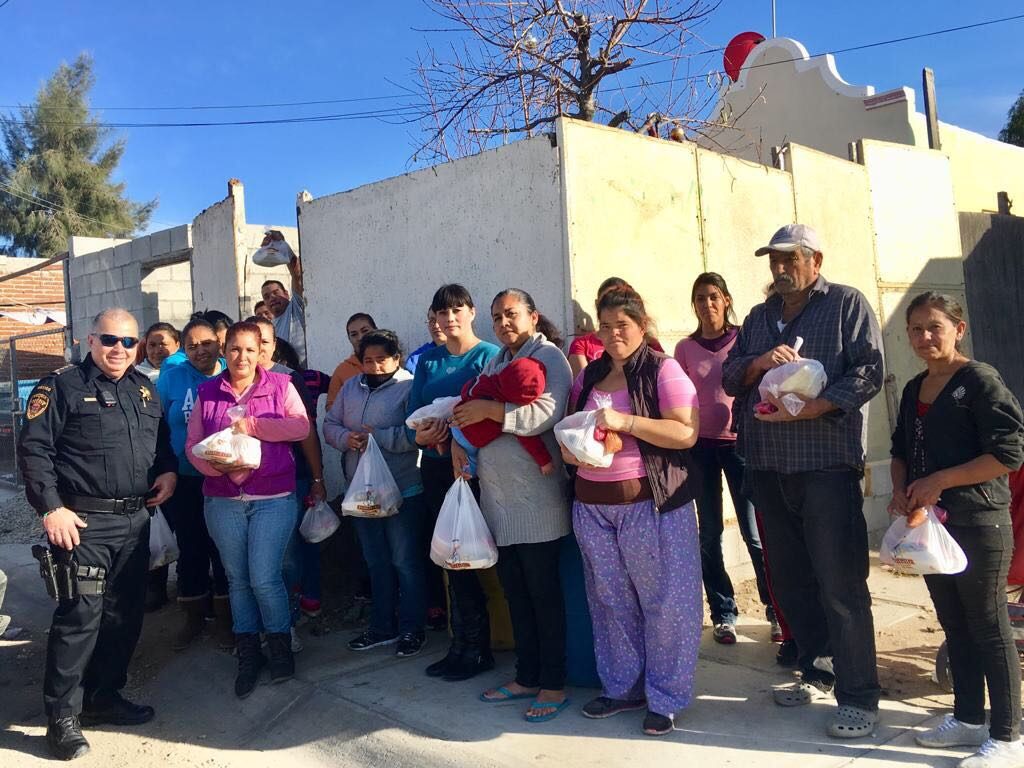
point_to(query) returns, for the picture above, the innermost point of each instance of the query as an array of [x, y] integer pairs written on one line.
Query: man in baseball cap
[[805, 469]]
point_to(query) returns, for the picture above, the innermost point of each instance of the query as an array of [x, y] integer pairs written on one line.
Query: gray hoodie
[[384, 410]]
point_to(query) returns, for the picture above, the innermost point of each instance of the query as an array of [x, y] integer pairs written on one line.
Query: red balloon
[[737, 51]]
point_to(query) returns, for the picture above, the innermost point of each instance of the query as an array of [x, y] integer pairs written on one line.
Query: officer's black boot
[[477, 656], [282, 662], [250, 662], [64, 738]]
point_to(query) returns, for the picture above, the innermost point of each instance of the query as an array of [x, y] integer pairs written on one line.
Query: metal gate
[[24, 359]]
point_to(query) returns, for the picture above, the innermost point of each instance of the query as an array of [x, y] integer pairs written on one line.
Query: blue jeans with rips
[[252, 537]]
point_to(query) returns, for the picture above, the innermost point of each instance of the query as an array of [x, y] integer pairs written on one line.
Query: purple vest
[[276, 473]]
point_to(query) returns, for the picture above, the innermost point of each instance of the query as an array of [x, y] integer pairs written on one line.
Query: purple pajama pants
[[643, 577]]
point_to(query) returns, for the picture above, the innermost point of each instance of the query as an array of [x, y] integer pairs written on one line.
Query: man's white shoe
[[953, 733], [996, 754]]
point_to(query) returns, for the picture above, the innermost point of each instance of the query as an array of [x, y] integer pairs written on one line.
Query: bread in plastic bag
[[442, 408], [462, 540], [372, 491], [318, 523], [163, 546], [926, 549], [274, 251], [229, 447], [578, 434], [790, 382]]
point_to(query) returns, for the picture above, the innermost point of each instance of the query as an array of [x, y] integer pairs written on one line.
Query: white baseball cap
[[791, 237]]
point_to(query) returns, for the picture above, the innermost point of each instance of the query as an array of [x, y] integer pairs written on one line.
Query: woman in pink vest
[[701, 355], [251, 512]]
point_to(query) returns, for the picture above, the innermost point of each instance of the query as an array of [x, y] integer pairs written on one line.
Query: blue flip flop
[[545, 705], [506, 695]]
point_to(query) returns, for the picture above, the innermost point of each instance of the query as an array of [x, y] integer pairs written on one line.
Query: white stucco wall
[[214, 275]]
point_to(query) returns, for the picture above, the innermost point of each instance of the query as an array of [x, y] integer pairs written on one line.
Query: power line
[[202, 107], [50, 206]]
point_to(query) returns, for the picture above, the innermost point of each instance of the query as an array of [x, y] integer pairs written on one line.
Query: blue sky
[[227, 52]]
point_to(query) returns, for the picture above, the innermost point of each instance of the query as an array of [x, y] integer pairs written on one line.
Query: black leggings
[[971, 607]]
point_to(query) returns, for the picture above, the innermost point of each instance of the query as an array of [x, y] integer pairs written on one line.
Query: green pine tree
[[1013, 131], [56, 162]]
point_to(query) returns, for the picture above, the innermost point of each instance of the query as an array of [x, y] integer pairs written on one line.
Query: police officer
[[93, 437]]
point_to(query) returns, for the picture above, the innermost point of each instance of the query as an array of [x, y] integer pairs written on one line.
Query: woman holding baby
[[517, 400]]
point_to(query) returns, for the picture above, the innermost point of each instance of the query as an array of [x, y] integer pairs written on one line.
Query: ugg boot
[[250, 662], [194, 610], [222, 622], [282, 662]]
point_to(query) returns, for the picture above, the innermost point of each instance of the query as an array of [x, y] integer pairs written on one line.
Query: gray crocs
[[799, 694], [852, 723]]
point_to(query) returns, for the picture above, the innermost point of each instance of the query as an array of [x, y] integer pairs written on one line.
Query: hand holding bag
[[925, 549]]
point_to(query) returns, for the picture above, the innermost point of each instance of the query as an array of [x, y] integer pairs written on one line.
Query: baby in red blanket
[[520, 382]]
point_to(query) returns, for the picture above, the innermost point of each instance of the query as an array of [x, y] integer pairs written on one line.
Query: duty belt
[[124, 506]]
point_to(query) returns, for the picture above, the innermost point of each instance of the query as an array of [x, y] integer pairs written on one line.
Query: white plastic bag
[[928, 548], [228, 447], [372, 492], [576, 433], [163, 547], [462, 540], [318, 523], [442, 408], [274, 252], [805, 378]]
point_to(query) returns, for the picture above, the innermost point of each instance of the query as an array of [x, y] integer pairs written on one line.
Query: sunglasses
[[110, 340]]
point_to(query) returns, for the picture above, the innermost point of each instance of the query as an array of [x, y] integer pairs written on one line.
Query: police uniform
[[93, 445]]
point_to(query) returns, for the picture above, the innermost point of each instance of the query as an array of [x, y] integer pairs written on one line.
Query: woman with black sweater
[[958, 433]]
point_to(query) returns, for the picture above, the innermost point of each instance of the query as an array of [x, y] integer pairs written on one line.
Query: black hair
[[196, 322], [716, 280], [262, 322], [550, 330], [629, 301], [608, 285], [219, 320], [165, 328], [450, 296], [285, 354], [943, 302], [380, 337], [272, 282], [361, 316]]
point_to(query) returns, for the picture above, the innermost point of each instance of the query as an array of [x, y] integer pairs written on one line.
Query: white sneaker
[[952, 733], [296, 643], [996, 754]]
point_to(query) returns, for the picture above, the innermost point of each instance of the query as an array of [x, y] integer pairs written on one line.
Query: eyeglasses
[[110, 340]]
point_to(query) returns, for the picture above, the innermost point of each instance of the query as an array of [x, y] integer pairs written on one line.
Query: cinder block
[[160, 242], [182, 272], [99, 261], [76, 267], [122, 254], [131, 276], [141, 249], [97, 283], [181, 237]]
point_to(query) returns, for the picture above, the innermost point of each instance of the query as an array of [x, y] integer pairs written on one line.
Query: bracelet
[[632, 420], [318, 480], [50, 511]]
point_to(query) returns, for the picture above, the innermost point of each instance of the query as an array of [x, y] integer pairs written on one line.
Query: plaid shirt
[[839, 331]]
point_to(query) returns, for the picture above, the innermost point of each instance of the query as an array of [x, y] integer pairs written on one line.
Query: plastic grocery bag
[[577, 433], [927, 548], [229, 447], [372, 492], [805, 378], [442, 408], [462, 540], [163, 546], [274, 251], [318, 523]]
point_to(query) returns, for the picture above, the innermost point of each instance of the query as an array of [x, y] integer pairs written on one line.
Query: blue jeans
[[391, 547], [251, 537], [714, 460]]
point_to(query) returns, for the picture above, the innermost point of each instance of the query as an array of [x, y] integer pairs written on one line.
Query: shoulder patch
[[37, 405]]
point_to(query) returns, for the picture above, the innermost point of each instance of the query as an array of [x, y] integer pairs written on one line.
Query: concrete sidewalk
[[371, 709]]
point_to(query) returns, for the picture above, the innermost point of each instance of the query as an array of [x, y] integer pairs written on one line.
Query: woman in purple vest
[[251, 513]]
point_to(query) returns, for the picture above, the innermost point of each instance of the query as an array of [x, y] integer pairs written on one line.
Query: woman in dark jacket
[[958, 433]]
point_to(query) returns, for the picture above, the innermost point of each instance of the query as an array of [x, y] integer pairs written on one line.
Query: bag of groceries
[[581, 436], [229, 447], [923, 549], [163, 546], [372, 491], [442, 408], [318, 523], [462, 540], [792, 383], [274, 251]]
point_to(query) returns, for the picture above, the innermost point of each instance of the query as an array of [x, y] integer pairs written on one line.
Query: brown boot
[[195, 611], [222, 623]]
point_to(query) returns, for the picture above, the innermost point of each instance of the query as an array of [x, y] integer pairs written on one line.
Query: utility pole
[[773, 18]]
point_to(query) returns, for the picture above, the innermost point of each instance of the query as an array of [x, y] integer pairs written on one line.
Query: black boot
[[156, 589], [475, 624], [64, 738], [250, 662], [114, 709], [194, 615], [451, 659], [282, 662]]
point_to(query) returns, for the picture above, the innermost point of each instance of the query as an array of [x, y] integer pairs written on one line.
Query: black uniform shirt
[[87, 435]]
